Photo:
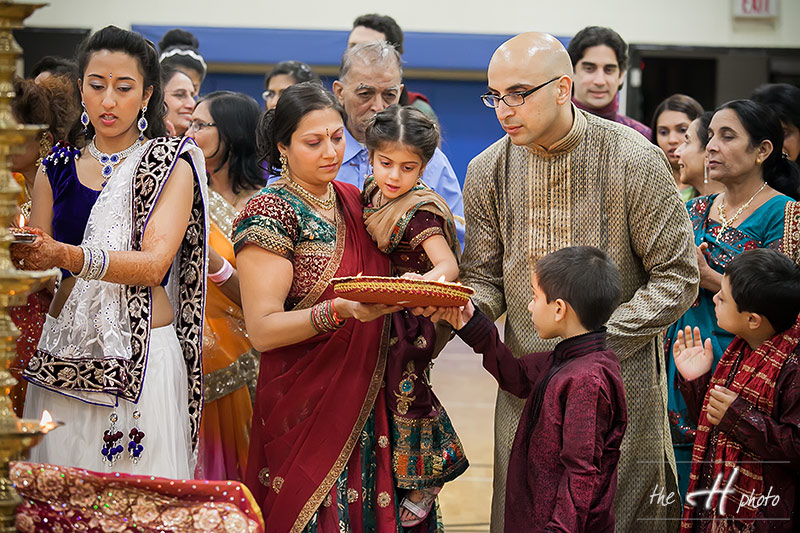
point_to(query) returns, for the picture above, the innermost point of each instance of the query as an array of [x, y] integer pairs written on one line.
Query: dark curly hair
[[236, 116], [115, 39], [52, 101]]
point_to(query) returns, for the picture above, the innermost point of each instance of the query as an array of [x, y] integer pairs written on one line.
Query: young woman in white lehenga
[[124, 217]]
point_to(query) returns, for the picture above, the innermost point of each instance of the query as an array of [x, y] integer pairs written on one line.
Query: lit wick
[[46, 422]]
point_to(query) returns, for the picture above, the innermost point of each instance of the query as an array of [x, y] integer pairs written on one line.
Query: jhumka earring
[[142, 124], [85, 119], [44, 148], [284, 166]]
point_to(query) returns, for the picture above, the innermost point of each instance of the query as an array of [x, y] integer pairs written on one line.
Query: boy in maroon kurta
[[562, 474], [748, 430]]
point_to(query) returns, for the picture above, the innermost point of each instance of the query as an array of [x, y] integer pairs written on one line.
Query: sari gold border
[[333, 265], [318, 496], [791, 231], [222, 213]]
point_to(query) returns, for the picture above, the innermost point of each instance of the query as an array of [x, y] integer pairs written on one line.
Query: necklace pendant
[[107, 171]]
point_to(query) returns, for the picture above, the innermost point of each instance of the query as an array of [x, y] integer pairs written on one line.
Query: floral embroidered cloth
[[61, 499]]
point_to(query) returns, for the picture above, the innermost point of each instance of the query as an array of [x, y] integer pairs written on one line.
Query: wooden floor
[[468, 394]]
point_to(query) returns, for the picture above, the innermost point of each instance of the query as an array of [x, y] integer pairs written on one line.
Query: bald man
[[563, 177]]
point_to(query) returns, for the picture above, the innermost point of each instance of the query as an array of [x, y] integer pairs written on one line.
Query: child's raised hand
[[719, 399], [693, 357]]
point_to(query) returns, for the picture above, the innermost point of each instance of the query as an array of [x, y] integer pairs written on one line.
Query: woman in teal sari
[[744, 155]]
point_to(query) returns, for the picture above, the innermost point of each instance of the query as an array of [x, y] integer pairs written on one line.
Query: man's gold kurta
[[602, 185]]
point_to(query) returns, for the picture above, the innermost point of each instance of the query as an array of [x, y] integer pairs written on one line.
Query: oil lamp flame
[[358, 275], [47, 421], [441, 279], [21, 221]]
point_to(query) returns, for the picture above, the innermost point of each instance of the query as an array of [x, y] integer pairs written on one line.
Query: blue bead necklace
[[110, 161]]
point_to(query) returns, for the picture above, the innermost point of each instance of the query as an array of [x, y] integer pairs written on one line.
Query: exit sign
[[755, 8]]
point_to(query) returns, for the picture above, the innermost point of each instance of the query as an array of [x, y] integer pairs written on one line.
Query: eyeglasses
[[511, 99], [200, 126]]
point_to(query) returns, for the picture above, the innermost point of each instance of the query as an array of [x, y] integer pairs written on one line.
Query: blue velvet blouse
[[72, 200]]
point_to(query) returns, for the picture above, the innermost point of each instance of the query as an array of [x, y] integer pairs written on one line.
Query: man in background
[[600, 57]]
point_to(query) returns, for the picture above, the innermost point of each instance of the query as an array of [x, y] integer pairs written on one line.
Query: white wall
[[670, 22]]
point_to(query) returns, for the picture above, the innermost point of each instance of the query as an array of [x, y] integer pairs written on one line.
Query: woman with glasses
[[179, 97], [124, 217], [283, 75], [223, 126]]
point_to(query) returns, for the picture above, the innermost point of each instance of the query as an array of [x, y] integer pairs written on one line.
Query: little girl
[[413, 224]]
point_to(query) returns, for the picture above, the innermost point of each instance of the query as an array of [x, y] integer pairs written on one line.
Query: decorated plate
[[402, 291]]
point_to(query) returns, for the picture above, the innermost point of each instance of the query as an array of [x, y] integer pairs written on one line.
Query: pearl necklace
[[110, 161], [721, 210], [328, 203]]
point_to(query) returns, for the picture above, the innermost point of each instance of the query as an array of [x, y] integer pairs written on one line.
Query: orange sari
[[230, 366]]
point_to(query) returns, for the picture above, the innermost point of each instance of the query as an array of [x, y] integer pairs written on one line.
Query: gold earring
[[284, 166], [758, 161], [44, 149]]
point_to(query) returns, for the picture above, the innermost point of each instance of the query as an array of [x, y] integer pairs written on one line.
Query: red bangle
[[337, 318]]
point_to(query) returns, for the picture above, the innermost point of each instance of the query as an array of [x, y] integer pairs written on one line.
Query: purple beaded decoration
[[112, 450], [136, 435]]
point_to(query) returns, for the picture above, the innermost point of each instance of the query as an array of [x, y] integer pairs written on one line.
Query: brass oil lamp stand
[[15, 435]]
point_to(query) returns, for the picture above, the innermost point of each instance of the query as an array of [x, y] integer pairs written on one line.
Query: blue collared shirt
[[438, 175]]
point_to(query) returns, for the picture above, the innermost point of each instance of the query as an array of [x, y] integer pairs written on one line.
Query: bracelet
[[338, 320], [324, 317], [223, 274], [95, 263]]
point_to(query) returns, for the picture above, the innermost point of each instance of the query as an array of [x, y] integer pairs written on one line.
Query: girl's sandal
[[421, 508]]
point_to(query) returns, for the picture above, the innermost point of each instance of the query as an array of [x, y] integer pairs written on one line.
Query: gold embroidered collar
[[570, 141]]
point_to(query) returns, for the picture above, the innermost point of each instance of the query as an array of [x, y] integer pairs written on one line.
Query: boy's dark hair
[[585, 278], [766, 282], [596, 36], [385, 25]]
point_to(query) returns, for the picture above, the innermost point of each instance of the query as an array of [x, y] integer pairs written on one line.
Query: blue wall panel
[[467, 126]]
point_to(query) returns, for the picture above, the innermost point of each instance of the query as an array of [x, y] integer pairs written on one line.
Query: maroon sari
[[314, 397]]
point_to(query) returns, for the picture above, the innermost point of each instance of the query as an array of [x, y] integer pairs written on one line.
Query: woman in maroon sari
[[319, 452]]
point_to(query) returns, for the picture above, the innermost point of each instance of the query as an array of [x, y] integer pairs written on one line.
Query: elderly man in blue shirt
[[370, 80]]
